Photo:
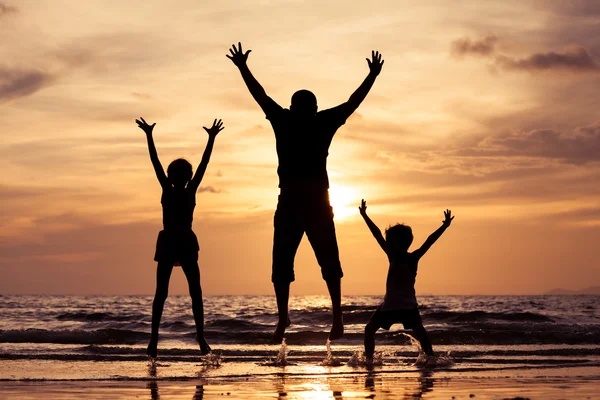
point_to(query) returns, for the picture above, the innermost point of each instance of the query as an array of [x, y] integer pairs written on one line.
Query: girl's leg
[[370, 330], [163, 275], [192, 273], [423, 338]]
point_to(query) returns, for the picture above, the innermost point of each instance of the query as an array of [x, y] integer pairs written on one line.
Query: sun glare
[[344, 201]]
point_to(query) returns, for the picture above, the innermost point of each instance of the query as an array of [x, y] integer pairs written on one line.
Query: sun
[[344, 201]]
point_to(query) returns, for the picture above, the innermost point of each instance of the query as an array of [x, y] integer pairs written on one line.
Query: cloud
[[15, 83], [209, 189], [579, 147], [571, 8], [572, 59], [6, 9], [466, 46], [575, 59]]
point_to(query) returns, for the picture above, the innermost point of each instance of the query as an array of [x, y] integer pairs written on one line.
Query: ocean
[[104, 337]]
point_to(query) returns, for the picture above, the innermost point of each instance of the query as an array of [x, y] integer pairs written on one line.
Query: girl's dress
[[177, 242]]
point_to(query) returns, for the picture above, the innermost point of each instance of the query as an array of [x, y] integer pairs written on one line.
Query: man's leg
[[163, 275], [282, 294], [286, 238], [320, 231], [334, 286]]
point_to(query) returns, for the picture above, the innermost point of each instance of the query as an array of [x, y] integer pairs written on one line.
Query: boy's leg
[[320, 232], [412, 320], [192, 274], [423, 338], [286, 238], [370, 330], [163, 275]]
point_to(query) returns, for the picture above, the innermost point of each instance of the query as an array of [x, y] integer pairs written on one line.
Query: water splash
[[281, 359], [358, 359], [330, 360], [212, 360], [423, 360]]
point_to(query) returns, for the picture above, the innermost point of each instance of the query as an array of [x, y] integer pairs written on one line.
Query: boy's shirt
[[400, 284]]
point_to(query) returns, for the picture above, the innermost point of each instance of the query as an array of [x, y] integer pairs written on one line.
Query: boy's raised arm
[[372, 227], [239, 58], [213, 131], [435, 235], [158, 169]]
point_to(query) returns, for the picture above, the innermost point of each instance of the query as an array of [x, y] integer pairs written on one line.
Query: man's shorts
[[298, 213], [411, 318]]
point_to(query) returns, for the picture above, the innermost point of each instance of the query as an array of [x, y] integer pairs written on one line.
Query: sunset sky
[[488, 108]]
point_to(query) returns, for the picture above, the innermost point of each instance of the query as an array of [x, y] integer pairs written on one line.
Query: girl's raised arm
[[158, 169], [213, 131]]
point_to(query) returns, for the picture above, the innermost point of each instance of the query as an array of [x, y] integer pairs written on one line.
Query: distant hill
[[594, 290]]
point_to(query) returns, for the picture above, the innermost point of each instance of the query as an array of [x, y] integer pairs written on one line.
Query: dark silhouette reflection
[[303, 136], [376, 383], [155, 395], [426, 382], [280, 387], [400, 302], [199, 393], [177, 244], [153, 386]]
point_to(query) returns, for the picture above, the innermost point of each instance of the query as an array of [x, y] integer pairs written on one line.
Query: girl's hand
[[144, 126], [216, 127], [363, 207]]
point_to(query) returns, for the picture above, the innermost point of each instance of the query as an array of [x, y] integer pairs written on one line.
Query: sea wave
[[479, 315], [243, 332]]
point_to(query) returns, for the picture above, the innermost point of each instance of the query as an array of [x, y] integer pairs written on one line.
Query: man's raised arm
[[239, 58], [375, 65]]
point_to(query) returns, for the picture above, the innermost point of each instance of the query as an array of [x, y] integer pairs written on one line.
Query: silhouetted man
[[303, 136]]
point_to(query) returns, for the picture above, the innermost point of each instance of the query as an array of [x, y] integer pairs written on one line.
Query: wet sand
[[327, 383]]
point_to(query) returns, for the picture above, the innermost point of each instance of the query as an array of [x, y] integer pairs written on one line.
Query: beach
[[490, 347]]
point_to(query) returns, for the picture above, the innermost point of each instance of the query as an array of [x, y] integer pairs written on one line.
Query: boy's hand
[[448, 218], [375, 64], [363, 207], [144, 126], [238, 57], [216, 127]]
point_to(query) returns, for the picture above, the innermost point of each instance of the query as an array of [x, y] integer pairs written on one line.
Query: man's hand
[[447, 218], [214, 130], [363, 207], [375, 64], [144, 126], [238, 57]]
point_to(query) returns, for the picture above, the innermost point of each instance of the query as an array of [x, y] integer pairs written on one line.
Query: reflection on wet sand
[[155, 395]]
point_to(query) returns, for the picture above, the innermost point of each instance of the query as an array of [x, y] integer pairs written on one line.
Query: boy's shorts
[[296, 214], [411, 318]]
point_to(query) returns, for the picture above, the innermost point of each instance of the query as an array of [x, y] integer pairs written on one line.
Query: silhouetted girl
[[177, 244]]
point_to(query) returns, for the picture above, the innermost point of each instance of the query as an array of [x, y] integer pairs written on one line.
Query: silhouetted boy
[[400, 302], [303, 137], [177, 244]]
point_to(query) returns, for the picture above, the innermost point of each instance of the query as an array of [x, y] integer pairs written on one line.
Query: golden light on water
[[344, 201]]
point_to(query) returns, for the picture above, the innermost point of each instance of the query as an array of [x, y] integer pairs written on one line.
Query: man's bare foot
[[337, 328], [280, 331], [204, 347], [152, 350]]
